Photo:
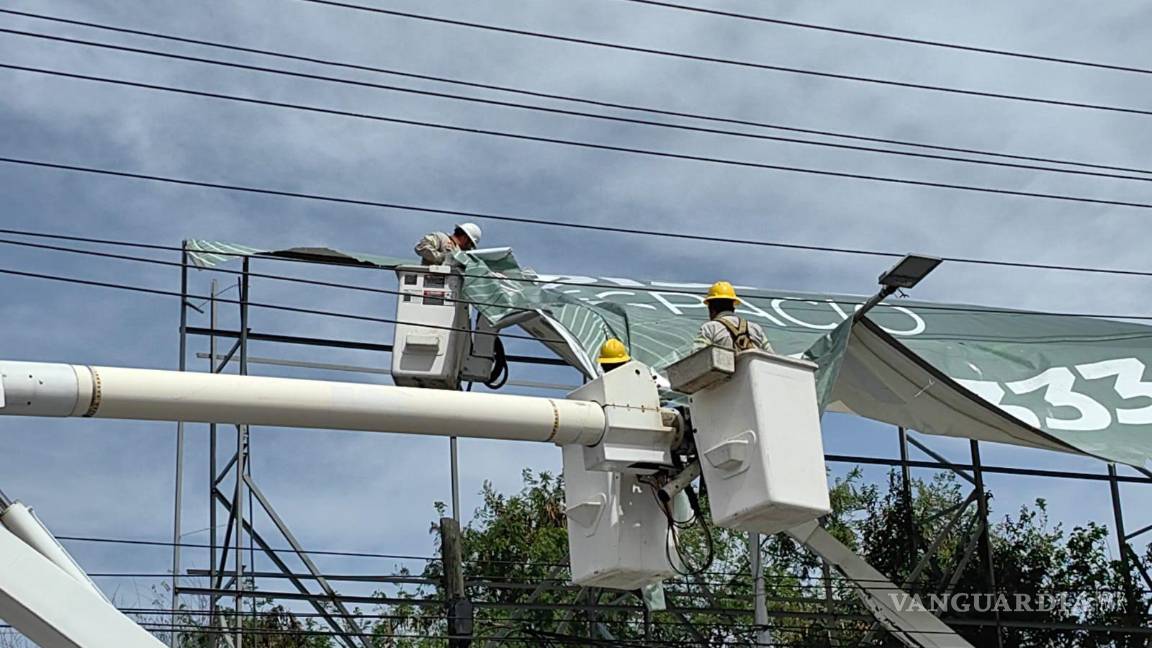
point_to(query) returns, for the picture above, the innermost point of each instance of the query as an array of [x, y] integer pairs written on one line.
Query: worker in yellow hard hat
[[613, 354], [724, 327]]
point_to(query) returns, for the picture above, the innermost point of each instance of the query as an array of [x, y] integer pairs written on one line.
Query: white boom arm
[[41, 389], [616, 532], [49, 599], [911, 627]]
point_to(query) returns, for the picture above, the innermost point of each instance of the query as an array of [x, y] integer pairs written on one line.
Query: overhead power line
[[728, 61], [277, 307], [578, 143], [575, 113], [531, 280], [893, 37], [759, 243], [571, 98], [254, 275], [522, 219], [193, 545]]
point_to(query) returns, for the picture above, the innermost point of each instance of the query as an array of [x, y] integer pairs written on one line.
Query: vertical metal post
[[906, 490], [247, 472], [212, 476], [1130, 597], [454, 460], [831, 634], [459, 607], [985, 539], [759, 601], [178, 495], [241, 463]]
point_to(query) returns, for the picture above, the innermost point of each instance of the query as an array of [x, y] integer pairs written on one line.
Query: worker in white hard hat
[[724, 327], [436, 248]]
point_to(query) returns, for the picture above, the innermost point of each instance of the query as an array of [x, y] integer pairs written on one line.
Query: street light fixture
[[905, 274]]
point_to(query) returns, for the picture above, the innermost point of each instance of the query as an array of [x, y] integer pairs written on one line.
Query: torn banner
[[1074, 384]]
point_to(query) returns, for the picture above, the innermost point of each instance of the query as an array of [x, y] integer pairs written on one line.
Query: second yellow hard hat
[[613, 351]]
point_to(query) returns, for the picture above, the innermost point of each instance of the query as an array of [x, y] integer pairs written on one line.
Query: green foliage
[[927, 541], [925, 537], [272, 626]]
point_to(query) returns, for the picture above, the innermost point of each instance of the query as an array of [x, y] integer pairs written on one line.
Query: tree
[[515, 550], [269, 626]]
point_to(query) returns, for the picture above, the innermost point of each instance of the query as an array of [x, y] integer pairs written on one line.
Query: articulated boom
[[751, 429]]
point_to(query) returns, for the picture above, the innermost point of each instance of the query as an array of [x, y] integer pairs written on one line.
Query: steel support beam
[[178, 488], [986, 557], [316, 600]]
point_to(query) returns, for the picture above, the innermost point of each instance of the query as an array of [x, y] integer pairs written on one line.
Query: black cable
[[257, 275], [160, 543], [787, 298], [557, 111], [563, 97], [894, 37], [672, 535], [726, 61], [499, 376], [685, 560], [547, 223], [501, 356], [734, 241], [579, 143], [192, 545], [278, 307]]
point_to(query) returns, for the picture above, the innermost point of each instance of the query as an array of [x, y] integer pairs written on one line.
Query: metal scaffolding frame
[[227, 577]]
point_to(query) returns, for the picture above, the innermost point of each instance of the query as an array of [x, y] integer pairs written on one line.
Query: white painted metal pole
[[23, 523], [40, 389], [56, 610]]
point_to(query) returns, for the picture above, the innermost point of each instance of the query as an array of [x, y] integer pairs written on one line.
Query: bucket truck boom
[[47, 597], [753, 434]]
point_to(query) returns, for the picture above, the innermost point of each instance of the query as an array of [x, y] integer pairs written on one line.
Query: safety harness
[[741, 340]]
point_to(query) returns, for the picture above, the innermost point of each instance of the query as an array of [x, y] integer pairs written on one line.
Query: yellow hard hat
[[613, 352], [722, 290]]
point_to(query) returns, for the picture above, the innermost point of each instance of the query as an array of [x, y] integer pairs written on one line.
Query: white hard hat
[[472, 231]]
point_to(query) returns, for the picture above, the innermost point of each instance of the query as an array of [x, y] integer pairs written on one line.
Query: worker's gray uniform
[[436, 248], [731, 331]]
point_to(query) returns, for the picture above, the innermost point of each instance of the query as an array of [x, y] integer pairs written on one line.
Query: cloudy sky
[[367, 492]]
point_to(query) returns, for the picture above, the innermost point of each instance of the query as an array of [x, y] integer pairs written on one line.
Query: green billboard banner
[[1060, 382]]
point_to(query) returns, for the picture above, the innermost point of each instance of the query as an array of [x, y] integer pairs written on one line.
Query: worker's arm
[[712, 334], [761, 340], [430, 249]]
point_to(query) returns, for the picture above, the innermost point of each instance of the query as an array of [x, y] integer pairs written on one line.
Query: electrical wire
[[499, 376], [684, 566], [508, 582], [749, 164], [193, 545], [499, 217], [547, 606], [733, 241], [560, 111], [893, 37], [725, 61], [537, 281], [566, 97], [260, 275], [278, 307], [878, 583]]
